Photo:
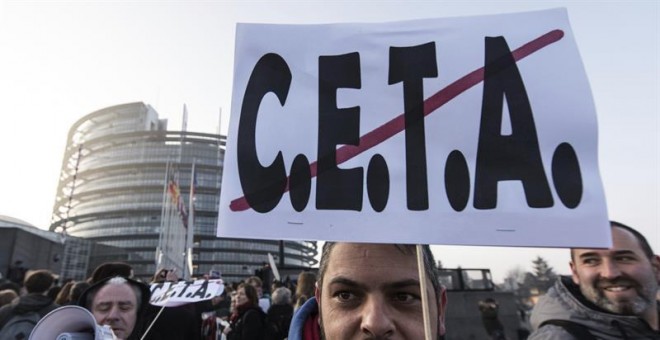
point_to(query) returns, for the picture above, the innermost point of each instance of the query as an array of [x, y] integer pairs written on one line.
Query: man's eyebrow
[[342, 280], [625, 252], [616, 252], [589, 254], [389, 285], [403, 284]]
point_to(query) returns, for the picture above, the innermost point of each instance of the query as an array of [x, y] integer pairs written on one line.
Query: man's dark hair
[[110, 269], [643, 243], [408, 249], [38, 281], [646, 247]]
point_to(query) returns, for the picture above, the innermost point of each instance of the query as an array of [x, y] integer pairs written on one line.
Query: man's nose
[[377, 321], [610, 269], [113, 313]]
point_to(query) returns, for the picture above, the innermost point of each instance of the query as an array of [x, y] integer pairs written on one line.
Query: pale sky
[[61, 60]]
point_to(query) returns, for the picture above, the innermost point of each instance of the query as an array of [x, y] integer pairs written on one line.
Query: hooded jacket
[[34, 302], [141, 323], [564, 301], [305, 322]]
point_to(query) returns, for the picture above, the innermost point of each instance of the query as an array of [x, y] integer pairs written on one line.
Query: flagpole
[[159, 249], [191, 225]]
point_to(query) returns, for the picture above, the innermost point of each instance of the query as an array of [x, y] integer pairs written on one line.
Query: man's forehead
[[369, 250], [352, 256], [622, 241], [113, 292]]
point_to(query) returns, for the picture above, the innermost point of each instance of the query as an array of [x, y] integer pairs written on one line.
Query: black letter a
[[507, 157]]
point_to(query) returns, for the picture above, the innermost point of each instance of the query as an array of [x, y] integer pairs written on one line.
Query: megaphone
[[70, 323]]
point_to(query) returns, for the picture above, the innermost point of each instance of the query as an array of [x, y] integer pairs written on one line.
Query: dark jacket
[[304, 325], [565, 302], [279, 319], [28, 303], [181, 322], [249, 325]]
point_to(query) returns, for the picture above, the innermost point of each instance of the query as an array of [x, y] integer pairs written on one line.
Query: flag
[[177, 201]]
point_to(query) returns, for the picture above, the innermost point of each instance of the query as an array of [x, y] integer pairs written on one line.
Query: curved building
[[112, 190]]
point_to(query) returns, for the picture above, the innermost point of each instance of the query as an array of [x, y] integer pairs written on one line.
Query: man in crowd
[[611, 294], [118, 302], [371, 291], [20, 316]]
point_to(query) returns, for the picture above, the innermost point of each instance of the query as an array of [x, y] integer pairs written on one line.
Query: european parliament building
[[113, 190]]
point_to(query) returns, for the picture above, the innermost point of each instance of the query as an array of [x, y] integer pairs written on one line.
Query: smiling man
[[370, 291], [610, 295]]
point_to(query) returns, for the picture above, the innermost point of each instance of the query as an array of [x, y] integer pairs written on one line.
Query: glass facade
[[112, 190]]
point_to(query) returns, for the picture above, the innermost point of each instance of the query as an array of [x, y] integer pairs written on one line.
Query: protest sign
[[468, 131], [172, 294]]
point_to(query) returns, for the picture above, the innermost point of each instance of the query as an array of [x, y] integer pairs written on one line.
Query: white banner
[[470, 130], [172, 294]]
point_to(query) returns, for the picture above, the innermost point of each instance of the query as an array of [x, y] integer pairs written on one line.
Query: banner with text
[[172, 294], [468, 131]]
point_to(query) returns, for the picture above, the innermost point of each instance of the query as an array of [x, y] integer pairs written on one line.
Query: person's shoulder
[[551, 332]]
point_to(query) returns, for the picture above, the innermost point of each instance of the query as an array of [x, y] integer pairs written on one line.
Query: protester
[[304, 288], [11, 285], [247, 319], [32, 306], [7, 296], [76, 291], [371, 291], [611, 294], [16, 272], [63, 295], [180, 322], [264, 302], [118, 302], [279, 314], [490, 319]]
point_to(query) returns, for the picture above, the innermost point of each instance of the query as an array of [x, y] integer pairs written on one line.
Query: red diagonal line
[[397, 124]]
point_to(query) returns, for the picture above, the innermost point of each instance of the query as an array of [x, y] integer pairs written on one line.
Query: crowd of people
[[118, 300], [371, 291]]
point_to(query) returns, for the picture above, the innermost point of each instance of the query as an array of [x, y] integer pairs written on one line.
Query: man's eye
[[625, 258], [405, 297], [344, 295], [590, 261], [103, 308]]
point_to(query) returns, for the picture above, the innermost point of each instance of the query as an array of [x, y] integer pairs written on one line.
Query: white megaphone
[[70, 323]]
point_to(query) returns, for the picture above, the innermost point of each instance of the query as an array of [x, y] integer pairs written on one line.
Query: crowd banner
[[172, 294], [467, 131]]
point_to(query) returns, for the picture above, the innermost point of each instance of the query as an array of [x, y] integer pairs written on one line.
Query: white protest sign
[[468, 131], [273, 267], [172, 294]]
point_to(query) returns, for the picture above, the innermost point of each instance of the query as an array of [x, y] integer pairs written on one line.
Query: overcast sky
[[61, 60]]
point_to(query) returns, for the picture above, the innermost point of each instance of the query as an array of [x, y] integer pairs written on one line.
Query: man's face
[[372, 291], [116, 305], [622, 279]]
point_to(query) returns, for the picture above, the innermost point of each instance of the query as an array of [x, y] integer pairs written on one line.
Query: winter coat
[[249, 325], [34, 302], [305, 322], [564, 301]]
